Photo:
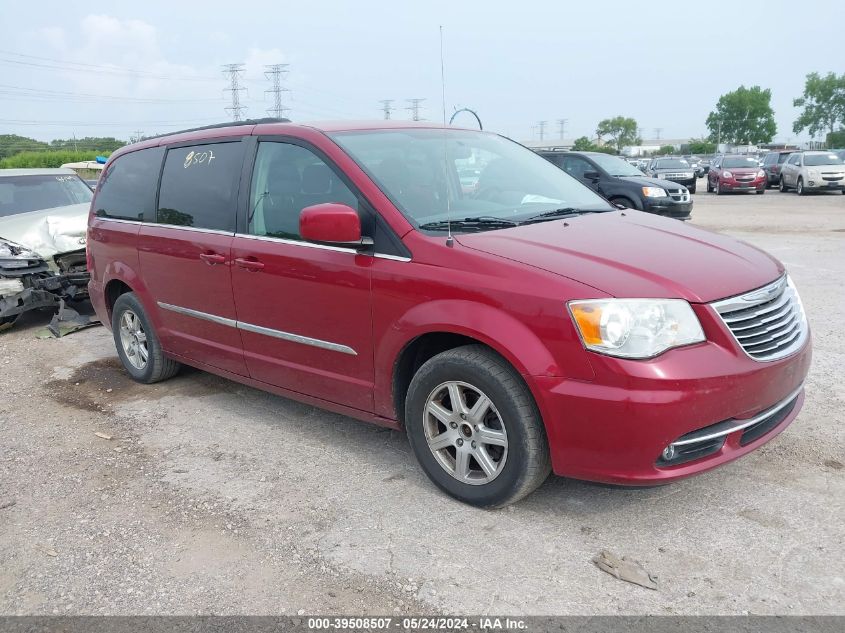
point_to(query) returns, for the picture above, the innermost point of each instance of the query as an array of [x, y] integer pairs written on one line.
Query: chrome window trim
[[284, 240], [258, 329], [118, 220], [195, 229], [395, 258], [742, 424]]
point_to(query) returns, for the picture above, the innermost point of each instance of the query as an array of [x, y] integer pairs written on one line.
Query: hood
[[828, 169], [645, 181], [48, 232], [635, 254], [742, 170]]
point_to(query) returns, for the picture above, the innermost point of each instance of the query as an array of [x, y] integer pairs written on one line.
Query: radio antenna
[[450, 242]]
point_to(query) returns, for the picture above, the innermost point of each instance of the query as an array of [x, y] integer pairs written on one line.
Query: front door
[[185, 255], [303, 309]]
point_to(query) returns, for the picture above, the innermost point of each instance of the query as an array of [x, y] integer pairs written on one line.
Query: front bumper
[[818, 184], [731, 184], [668, 207], [615, 428]]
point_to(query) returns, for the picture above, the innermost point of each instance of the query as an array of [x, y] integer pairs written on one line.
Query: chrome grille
[[768, 323], [679, 195]]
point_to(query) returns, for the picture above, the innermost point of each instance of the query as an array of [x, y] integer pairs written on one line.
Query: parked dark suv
[[675, 169], [624, 184], [772, 164]]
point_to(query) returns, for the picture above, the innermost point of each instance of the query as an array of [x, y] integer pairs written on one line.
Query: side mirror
[[332, 223], [592, 175]]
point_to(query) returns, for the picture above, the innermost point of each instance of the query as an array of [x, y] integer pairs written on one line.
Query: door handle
[[249, 263], [213, 258]]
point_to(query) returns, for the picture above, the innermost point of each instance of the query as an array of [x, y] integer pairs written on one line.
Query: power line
[[234, 72], [541, 127], [414, 108], [386, 108], [65, 66]]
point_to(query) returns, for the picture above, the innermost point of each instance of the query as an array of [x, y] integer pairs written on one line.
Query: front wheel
[[692, 188], [719, 191], [782, 185], [137, 344], [475, 428], [760, 192], [799, 187], [709, 186]]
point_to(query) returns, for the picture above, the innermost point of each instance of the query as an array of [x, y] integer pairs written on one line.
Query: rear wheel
[[137, 344], [799, 186], [475, 428]]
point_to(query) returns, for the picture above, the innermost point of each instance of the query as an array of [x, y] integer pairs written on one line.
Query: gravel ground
[[215, 498]]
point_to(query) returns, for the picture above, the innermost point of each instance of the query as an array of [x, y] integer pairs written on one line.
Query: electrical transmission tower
[[386, 107], [562, 127], [657, 132], [274, 73], [414, 108], [233, 72], [541, 127]]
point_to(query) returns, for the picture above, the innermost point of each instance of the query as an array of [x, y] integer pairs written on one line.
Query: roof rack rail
[[219, 125]]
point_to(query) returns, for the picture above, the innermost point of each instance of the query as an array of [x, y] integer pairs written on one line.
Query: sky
[[117, 68]]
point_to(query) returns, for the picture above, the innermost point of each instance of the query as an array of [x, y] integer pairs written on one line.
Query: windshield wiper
[[563, 212], [484, 221]]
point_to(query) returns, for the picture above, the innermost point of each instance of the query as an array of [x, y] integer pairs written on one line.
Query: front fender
[[490, 325]]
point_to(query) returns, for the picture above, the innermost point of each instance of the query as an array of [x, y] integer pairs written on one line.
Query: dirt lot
[[216, 498]]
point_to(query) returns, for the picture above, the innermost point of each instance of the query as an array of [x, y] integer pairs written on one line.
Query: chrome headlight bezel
[[635, 329]]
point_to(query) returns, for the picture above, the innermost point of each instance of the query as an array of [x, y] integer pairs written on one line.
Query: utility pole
[[414, 108], [274, 73], [137, 135], [562, 127], [234, 72], [387, 108], [541, 126]]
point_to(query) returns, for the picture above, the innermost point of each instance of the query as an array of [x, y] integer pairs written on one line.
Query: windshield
[[671, 163], [21, 194], [421, 171], [814, 160], [739, 161], [615, 166]]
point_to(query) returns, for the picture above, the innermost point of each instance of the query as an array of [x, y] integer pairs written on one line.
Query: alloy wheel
[[465, 432], [133, 339]]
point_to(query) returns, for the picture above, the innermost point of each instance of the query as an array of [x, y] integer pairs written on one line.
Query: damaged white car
[[43, 221]]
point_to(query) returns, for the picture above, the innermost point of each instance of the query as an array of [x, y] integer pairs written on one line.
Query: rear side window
[[127, 191], [199, 186], [782, 158]]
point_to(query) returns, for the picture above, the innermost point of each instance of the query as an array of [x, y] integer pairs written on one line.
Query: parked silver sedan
[[813, 171]]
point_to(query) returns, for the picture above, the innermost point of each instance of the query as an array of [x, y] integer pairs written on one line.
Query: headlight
[[635, 328], [727, 174], [761, 174], [654, 192]]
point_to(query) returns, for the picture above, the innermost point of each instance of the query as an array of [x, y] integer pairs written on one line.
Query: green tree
[[743, 117], [701, 146], [823, 104], [47, 158], [583, 144], [88, 144], [665, 150], [836, 139], [620, 130], [12, 144]]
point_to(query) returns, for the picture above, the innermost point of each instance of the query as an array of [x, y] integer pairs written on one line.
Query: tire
[[799, 186], [719, 191], [129, 323], [709, 186], [782, 185], [760, 192], [693, 188], [624, 201], [514, 469]]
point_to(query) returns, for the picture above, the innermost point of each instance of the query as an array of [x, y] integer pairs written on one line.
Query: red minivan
[[521, 327]]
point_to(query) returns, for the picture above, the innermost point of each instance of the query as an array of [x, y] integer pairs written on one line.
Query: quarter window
[[199, 186], [127, 191], [286, 179]]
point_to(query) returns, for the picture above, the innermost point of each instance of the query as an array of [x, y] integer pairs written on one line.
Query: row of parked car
[[805, 171]]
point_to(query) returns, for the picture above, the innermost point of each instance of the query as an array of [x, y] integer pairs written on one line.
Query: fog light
[[669, 452], [812, 183]]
